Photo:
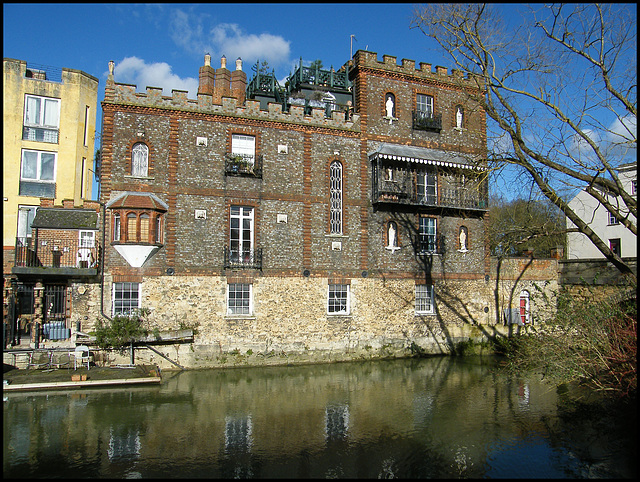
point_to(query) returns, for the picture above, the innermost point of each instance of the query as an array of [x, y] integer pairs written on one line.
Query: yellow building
[[49, 120]]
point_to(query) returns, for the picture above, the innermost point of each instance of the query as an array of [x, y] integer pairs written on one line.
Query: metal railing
[[55, 253], [423, 121], [243, 165], [243, 258]]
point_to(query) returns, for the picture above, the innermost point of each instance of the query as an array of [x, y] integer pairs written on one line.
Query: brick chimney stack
[[239, 82], [223, 82], [207, 77]]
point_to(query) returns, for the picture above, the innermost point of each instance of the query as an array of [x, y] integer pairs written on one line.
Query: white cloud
[[227, 39], [133, 70]]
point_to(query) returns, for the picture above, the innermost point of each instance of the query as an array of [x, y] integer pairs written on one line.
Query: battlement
[[117, 93], [369, 60]]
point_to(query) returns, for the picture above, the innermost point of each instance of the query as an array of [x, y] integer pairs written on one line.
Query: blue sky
[[163, 45]]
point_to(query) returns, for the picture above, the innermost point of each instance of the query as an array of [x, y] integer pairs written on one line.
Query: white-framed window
[[25, 218], [125, 298], [244, 146], [38, 166], [38, 173], [633, 187], [425, 301], [239, 300], [140, 160], [335, 207], [427, 235], [158, 232], [427, 187], [241, 234], [612, 219], [86, 239], [525, 307], [86, 126], [424, 105], [41, 119], [116, 227], [338, 299]]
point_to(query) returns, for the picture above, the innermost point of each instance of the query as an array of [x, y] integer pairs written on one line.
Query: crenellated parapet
[[364, 60], [231, 106]]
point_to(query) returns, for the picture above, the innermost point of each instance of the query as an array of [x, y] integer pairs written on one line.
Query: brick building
[[342, 215]]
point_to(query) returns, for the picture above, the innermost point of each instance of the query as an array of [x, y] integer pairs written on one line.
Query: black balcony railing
[[425, 122], [243, 258], [243, 165], [55, 253]]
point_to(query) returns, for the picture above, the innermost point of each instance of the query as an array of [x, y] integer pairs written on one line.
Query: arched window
[[140, 160], [335, 181], [524, 307], [132, 233]]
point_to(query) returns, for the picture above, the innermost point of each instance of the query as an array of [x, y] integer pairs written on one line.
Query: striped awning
[[423, 155]]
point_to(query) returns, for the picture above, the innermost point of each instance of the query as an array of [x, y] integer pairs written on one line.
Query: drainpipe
[[102, 256]]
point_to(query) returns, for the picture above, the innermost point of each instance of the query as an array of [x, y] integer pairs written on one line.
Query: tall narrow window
[[424, 105], [158, 237], [524, 307], [427, 187], [144, 228], [25, 218], [241, 234], [132, 232], [86, 125], [140, 160], [116, 227], [424, 299], [427, 235], [335, 180]]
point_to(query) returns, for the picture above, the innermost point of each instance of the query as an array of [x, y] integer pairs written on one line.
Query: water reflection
[[439, 417]]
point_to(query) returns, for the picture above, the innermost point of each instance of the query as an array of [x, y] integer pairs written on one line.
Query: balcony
[[243, 165], [59, 257], [242, 259], [424, 122], [403, 191]]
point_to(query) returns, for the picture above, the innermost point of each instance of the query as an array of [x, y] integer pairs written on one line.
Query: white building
[[621, 240]]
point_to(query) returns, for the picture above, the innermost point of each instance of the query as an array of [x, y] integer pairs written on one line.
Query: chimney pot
[[207, 60], [238, 63], [223, 62]]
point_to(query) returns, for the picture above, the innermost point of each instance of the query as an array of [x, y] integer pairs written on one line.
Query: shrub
[[121, 329]]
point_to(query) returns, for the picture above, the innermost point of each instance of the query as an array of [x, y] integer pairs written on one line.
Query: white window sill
[[128, 176]]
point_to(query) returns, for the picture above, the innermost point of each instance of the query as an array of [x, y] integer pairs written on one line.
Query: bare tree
[[560, 93]]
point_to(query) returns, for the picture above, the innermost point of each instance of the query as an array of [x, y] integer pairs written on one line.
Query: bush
[[122, 329], [592, 340]]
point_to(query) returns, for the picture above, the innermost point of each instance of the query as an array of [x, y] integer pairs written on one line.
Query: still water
[[439, 417]]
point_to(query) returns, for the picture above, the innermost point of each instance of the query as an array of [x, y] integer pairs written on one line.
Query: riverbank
[[18, 379]]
